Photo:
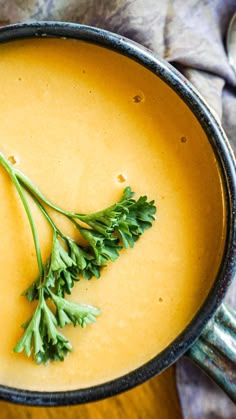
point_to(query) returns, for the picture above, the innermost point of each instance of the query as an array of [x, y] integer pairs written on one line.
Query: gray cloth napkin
[[189, 34]]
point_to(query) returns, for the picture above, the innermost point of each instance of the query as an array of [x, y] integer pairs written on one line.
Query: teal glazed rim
[[204, 339]]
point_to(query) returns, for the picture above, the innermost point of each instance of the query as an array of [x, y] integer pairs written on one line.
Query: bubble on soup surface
[[121, 178], [139, 97], [13, 159]]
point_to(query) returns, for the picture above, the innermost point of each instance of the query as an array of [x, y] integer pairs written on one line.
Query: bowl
[[209, 339]]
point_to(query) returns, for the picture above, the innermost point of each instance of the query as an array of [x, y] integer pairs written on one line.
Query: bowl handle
[[215, 350]]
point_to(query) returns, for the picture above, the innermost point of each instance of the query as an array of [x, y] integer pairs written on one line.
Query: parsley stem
[[11, 172], [26, 183], [45, 213], [24, 180]]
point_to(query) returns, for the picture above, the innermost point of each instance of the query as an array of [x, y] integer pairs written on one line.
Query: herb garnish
[[105, 233]]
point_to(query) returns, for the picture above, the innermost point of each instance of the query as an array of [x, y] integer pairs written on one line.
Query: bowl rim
[[227, 165]]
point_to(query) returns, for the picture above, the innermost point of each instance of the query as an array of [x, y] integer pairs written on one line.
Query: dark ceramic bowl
[[210, 338]]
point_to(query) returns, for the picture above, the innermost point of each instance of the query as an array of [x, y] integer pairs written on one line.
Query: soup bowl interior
[[163, 139]]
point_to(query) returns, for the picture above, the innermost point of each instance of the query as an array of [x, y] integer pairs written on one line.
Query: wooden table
[[156, 399]]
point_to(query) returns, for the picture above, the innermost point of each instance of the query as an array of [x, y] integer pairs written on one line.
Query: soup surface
[[84, 122]]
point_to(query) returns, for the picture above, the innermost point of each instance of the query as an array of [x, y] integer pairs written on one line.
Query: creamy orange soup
[[76, 117]]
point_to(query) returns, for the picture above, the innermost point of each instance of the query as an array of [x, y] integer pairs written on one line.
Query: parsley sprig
[[105, 232]]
